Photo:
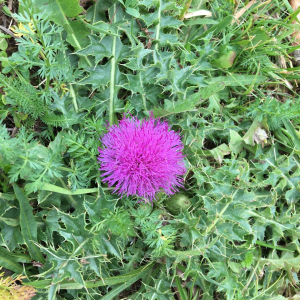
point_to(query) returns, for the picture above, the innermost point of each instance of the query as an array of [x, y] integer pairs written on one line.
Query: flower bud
[[177, 203]]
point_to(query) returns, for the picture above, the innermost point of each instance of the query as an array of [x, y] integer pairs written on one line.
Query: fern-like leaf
[[59, 120], [24, 95]]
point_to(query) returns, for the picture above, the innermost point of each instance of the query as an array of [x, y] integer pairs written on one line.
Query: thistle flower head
[[142, 157]]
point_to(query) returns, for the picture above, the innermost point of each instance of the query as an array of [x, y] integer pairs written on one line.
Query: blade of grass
[[291, 130], [182, 292]]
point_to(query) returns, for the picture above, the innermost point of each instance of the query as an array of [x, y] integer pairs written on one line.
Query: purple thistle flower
[[142, 157]]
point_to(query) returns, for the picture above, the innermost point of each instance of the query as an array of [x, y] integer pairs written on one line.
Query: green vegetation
[[224, 79]]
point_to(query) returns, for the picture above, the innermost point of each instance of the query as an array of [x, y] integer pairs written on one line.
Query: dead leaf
[[84, 261], [244, 9], [37, 264], [296, 35], [201, 12], [11, 290], [295, 5]]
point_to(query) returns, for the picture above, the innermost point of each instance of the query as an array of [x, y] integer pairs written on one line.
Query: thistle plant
[[142, 157], [217, 215]]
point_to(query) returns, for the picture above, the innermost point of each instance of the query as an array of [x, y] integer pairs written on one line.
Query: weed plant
[[226, 82]]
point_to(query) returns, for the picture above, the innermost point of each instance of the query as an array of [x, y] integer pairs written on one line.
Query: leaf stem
[[143, 95], [73, 98], [185, 9], [53, 188], [112, 77], [218, 216], [157, 33], [158, 25]]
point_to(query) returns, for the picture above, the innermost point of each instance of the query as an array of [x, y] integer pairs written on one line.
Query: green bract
[[177, 203]]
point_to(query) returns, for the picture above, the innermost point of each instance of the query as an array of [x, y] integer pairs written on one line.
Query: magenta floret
[[142, 157]]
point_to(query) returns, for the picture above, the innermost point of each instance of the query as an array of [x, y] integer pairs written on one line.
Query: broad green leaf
[[133, 12], [136, 59], [173, 108], [74, 231], [110, 246], [28, 225], [238, 80], [200, 22], [53, 188], [226, 60], [187, 104], [78, 34], [95, 206], [258, 36], [3, 43], [95, 49], [3, 114], [134, 84], [10, 221], [59, 11], [10, 260], [117, 290], [214, 104], [170, 21], [236, 142], [64, 266], [5, 205], [96, 12], [210, 90], [251, 135], [7, 196], [65, 284], [101, 27], [287, 261], [11, 235], [219, 152], [99, 76]]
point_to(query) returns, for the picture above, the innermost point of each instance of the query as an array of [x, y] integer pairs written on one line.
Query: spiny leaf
[[10, 262], [28, 225], [59, 11], [238, 80], [95, 49], [41, 284]]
